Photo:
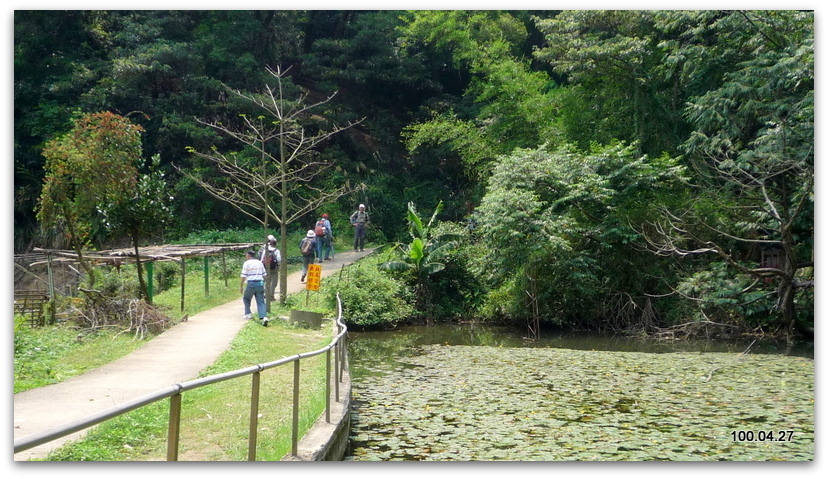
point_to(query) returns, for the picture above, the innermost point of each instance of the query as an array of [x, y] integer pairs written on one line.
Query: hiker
[[308, 249], [324, 238], [360, 221], [253, 271], [271, 258]]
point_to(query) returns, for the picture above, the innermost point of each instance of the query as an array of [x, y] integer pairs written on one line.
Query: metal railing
[[340, 358]]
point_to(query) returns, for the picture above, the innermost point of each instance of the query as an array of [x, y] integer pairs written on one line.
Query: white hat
[[311, 234], [271, 238], [362, 206]]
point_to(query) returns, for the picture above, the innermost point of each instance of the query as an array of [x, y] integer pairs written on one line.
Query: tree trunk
[[139, 266]]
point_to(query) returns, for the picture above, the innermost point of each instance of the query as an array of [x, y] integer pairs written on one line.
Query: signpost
[[314, 277]]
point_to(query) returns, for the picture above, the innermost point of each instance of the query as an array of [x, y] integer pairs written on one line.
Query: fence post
[[328, 386], [183, 275], [336, 370], [295, 439], [254, 417], [206, 276], [174, 427]]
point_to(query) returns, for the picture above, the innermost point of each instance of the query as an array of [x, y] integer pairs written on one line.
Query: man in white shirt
[[254, 273]]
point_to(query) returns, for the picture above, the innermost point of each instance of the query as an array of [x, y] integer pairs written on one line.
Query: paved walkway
[[176, 355]]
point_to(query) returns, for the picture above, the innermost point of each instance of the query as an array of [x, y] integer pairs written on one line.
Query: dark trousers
[[359, 236]]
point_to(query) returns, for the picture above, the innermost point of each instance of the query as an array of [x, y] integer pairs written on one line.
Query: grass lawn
[[215, 418], [214, 423]]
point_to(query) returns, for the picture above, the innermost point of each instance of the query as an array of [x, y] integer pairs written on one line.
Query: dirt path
[[177, 355]]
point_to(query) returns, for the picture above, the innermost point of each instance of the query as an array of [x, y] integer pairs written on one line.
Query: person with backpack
[[308, 249], [360, 222], [271, 257], [253, 273], [324, 238]]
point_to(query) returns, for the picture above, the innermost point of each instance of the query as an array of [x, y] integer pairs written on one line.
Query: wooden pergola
[[147, 255]]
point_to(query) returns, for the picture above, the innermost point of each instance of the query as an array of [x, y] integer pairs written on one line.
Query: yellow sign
[[314, 277]]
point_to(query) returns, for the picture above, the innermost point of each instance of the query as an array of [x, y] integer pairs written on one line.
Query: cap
[[324, 215], [271, 238], [362, 206]]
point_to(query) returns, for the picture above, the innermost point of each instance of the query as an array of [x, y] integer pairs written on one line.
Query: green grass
[[215, 418], [49, 355]]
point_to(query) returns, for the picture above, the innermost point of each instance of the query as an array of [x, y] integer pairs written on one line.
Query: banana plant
[[421, 256]]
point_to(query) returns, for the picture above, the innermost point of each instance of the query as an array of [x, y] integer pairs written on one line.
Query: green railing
[[336, 350]]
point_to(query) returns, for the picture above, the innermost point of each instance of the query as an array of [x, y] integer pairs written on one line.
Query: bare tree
[[771, 209], [280, 183]]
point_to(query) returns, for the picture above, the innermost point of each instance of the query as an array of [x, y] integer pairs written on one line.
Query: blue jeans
[[319, 241], [255, 288], [324, 246]]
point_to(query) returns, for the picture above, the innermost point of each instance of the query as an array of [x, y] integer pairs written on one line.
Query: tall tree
[[140, 212], [500, 102], [86, 169], [562, 220], [620, 87], [753, 153], [278, 173]]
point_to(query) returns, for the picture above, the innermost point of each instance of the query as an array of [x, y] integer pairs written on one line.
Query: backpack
[[320, 228], [273, 262], [307, 246]]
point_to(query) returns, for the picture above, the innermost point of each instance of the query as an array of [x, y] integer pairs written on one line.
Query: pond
[[482, 393]]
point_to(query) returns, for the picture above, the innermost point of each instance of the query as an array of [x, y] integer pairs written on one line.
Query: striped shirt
[[253, 270]]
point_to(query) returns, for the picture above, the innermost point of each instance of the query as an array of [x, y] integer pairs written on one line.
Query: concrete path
[[176, 355]]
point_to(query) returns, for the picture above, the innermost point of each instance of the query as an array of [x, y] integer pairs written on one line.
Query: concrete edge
[[328, 441]]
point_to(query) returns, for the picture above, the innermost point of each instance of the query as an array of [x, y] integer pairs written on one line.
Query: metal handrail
[[174, 393]]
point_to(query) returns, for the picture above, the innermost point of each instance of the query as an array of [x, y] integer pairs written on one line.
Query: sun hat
[[311, 234]]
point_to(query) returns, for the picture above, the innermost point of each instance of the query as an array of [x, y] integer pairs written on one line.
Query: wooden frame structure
[[147, 255]]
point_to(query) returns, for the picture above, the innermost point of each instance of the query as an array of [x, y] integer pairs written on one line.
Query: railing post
[[336, 371], [254, 417], [206, 276], [295, 433], [174, 427], [328, 386]]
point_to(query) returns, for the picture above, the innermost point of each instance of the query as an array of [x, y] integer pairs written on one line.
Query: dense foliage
[[627, 170]]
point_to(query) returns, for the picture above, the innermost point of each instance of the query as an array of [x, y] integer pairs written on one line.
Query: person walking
[[360, 221], [271, 257], [307, 246], [253, 272], [324, 238]]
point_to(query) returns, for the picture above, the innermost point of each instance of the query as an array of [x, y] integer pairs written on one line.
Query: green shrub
[[124, 282], [166, 275], [370, 299]]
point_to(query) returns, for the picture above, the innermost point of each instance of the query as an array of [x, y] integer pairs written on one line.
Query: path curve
[[174, 356]]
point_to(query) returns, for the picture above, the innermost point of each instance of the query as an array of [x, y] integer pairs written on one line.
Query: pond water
[[483, 393]]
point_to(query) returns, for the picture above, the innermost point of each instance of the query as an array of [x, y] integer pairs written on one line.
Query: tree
[[619, 84], [557, 229], [87, 169], [280, 160], [753, 154], [505, 104], [140, 211]]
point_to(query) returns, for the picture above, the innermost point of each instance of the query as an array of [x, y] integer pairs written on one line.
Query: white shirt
[[253, 270]]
